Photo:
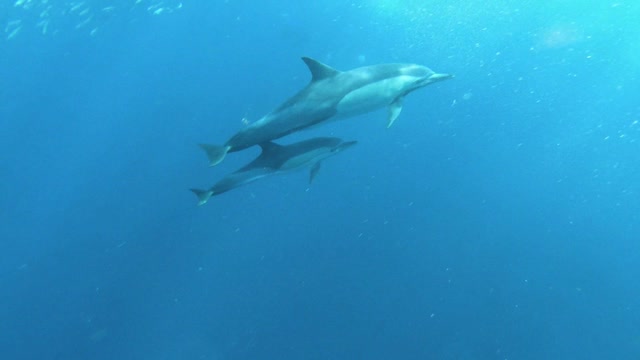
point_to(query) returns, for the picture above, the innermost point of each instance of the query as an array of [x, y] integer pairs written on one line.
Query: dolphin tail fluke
[[215, 153], [203, 195]]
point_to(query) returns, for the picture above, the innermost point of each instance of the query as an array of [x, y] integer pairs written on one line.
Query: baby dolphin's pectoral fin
[[314, 171], [215, 153], [203, 195], [394, 110]]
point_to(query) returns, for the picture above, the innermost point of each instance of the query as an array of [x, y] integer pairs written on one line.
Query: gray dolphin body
[[276, 159], [332, 94]]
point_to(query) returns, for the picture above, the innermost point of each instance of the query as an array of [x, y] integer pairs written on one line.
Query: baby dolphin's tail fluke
[[215, 153], [203, 195]]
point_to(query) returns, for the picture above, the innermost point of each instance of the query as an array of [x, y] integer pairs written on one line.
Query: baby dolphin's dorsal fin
[[269, 146], [319, 71]]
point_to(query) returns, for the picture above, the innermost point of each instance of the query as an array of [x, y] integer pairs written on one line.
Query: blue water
[[499, 218]]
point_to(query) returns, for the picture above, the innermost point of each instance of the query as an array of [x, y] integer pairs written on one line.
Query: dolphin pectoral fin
[[314, 171], [394, 110], [203, 195], [215, 153]]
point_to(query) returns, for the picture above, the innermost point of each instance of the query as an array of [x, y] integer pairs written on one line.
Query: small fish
[[84, 23], [76, 6], [13, 33]]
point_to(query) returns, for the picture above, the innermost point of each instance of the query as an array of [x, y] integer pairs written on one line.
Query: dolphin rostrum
[[276, 159], [332, 94]]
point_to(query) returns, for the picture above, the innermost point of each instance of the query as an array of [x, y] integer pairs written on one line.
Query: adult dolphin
[[332, 94], [276, 159]]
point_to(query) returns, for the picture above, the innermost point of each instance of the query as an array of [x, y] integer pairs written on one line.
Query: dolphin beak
[[346, 145], [439, 77]]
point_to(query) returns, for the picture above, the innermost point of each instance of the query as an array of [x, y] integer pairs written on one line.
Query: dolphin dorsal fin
[[319, 71], [269, 146]]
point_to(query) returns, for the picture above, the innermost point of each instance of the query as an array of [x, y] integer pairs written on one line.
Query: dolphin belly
[[305, 159], [372, 96], [238, 179]]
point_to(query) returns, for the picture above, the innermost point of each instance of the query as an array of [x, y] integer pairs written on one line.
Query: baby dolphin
[[276, 159], [332, 94]]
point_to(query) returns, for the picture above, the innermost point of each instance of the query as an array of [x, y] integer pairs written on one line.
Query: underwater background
[[498, 218]]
